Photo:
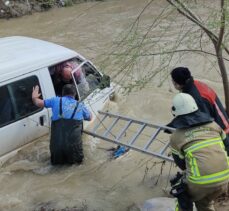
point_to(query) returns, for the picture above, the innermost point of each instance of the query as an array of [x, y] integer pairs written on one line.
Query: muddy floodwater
[[28, 181]]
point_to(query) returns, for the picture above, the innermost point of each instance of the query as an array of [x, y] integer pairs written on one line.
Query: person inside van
[[67, 123], [63, 75]]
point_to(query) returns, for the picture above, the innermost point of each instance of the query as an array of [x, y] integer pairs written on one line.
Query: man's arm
[[86, 113], [179, 162], [178, 158], [36, 97], [225, 139]]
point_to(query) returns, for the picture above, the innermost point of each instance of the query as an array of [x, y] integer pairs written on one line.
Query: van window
[[16, 102], [6, 108], [90, 80], [58, 79], [86, 77]]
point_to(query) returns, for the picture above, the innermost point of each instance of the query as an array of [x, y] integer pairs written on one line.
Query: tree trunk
[[224, 77]]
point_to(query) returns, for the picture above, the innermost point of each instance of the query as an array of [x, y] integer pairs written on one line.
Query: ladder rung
[[132, 147], [99, 123], [152, 139], [125, 118], [110, 127], [165, 147], [137, 134], [132, 138], [123, 130]]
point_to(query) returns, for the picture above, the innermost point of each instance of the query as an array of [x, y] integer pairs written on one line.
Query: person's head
[[66, 72], [183, 104], [179, 77], [67, 69], [69, 90]]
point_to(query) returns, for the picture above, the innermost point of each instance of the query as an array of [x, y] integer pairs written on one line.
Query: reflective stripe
[[224, 120], [226, 130], [177, 205], [193, 164], [195, 176], [177, 153], [197, 172], [212, 178], [203, 144]]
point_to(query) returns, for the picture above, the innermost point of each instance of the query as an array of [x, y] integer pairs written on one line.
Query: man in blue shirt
[[67, 121]]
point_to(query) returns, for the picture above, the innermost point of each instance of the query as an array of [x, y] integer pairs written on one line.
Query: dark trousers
[[66, 142]]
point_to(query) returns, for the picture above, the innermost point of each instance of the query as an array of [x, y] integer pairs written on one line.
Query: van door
[[93, 90], [20, 120]]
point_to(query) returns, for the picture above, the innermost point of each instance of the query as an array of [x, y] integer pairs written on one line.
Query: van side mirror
[[105, 82]]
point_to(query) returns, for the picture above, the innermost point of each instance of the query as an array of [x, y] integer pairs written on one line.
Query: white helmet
[[183, 104]]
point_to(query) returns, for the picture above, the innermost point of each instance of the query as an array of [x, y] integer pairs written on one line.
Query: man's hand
[[35, 97], [35, 93]]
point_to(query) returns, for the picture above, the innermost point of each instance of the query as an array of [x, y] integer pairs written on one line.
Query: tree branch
[[170, 52], [191, 16], [222, 27]]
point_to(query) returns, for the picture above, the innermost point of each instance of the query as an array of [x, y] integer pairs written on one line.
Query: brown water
[[28, 181]]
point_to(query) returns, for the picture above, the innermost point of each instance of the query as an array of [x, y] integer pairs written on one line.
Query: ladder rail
[[135, 120], [131, 146], [131, 140]]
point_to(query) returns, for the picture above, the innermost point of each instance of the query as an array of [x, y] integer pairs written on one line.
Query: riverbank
[[15, 8]]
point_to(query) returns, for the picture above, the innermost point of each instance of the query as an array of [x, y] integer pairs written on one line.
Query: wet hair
[[69, 89], [180, 75]]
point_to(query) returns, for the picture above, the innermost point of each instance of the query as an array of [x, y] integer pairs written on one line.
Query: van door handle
[[42, 120]]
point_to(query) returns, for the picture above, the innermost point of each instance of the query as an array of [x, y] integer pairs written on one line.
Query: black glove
[[179, 190], [176, 178], [226, 144], [179, 162]]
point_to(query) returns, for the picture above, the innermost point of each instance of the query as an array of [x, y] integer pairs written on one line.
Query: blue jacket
[[68, 106]]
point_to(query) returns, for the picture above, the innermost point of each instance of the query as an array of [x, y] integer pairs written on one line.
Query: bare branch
[[222, 26], [136, 21], [170, 52], [191, 16]]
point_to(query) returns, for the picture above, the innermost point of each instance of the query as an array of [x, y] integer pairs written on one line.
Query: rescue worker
[[198, 148], [205, 97], [67, 121]]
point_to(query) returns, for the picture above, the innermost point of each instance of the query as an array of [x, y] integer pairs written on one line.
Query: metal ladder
[[132, 133]]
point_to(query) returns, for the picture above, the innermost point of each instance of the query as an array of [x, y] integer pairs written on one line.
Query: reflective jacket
[[208, 102], [204, 153]]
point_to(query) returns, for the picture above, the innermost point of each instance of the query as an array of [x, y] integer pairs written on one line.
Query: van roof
[[21, 55]]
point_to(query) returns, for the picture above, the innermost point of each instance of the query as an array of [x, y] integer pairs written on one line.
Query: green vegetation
[[46, 4]]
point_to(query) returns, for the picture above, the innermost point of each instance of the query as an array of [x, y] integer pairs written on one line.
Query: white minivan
[[26, 62]]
